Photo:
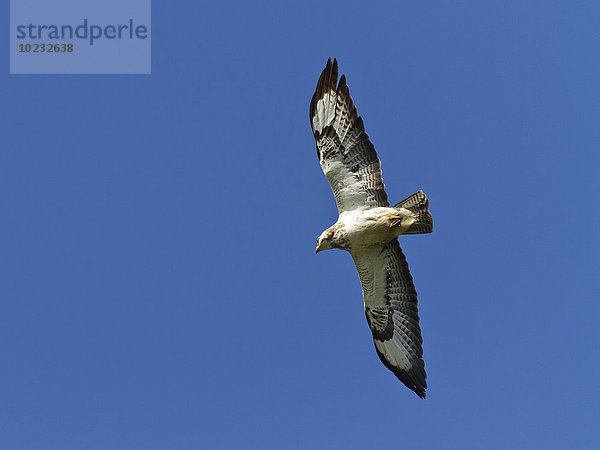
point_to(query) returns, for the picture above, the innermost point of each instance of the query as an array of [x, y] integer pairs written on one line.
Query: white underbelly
[[369, 227]]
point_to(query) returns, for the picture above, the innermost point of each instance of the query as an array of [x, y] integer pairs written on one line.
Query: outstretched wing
[[391, 309], [345, 152]]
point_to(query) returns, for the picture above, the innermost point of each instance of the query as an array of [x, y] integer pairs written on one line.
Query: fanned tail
[[418, 204]]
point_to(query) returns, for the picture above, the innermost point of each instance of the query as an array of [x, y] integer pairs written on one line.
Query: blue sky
[[159, 283]]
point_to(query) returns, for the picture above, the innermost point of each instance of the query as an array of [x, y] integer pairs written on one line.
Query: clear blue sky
[[158, 276]]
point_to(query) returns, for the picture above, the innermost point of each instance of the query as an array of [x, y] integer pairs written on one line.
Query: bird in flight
[[368, 227]]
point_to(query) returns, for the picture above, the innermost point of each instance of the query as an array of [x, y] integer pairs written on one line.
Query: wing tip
[[411, 379], [327, 81]]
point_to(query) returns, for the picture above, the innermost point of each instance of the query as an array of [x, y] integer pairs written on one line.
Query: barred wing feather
[[392, 314], [345, 152]]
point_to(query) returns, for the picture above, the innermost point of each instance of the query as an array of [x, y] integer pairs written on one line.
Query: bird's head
[[325, 241]]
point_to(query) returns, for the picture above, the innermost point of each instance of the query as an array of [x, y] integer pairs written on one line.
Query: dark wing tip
[[342, 84], [409, 379], [327, 81]]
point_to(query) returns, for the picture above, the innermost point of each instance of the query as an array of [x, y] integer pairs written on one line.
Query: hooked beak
[[318, 249]]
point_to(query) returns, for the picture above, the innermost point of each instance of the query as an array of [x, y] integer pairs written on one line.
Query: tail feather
[[418, 204], [414, 202]]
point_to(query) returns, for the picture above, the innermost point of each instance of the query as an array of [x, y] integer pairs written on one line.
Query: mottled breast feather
[[345, 152]]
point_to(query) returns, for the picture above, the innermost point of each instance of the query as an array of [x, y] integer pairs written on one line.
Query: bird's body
[[367, 227], [362, 228]]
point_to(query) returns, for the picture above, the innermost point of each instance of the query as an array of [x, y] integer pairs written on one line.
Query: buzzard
[[368, 228]]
